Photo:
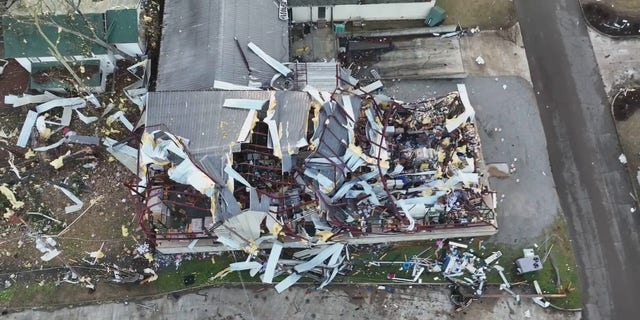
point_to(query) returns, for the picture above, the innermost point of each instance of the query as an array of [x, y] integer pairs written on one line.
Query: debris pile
[[44, 171], [321, 264], [368, 166], [467, 270], [453, 262]]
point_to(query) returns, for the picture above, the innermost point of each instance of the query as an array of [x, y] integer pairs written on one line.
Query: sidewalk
[[619, 65], [357, 302]]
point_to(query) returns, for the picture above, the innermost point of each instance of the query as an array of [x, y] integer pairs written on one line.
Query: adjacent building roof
[[22, 38], [25, 7], [212, 129], [198, 45]]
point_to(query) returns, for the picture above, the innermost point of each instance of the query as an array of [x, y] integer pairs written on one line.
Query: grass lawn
[[487, 14], [562, 255], [171, 279], [622, 6]]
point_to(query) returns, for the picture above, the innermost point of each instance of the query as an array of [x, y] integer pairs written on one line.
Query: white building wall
[[302, 14], [385, 11], [132, 49]]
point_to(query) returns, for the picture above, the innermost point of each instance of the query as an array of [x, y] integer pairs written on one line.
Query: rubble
[[26, 99], [322, 266], [8, 193], [622, 158], [369, 166], [47, 246], [77, 202], [528, 264]]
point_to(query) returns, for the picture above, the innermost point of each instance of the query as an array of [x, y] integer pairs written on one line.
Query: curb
[[565, 310], [634, 182], [143, 298]]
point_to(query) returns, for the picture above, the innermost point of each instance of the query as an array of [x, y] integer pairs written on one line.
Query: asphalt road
[[583, 148]]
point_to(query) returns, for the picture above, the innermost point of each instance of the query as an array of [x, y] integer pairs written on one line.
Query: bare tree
[[41, 15], [54, 51]]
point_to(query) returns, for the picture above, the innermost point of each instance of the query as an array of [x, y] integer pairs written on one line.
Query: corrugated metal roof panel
[[292, 114], [200, 117], [212, 129], [322, 75], [198, 43]]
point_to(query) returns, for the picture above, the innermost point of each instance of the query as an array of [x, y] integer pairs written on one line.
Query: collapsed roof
[[213, 130], [309, 167]]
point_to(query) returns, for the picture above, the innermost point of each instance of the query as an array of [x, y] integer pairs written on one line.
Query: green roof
[[122, 26], [50, 75], [22, 39], [436, 16]]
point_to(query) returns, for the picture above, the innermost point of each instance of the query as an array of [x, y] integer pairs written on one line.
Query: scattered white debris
[[222, 85], [504, 87], [123, 119], [275, 64], [248, 104], [78, 203], [25, 133], [480, 60], [13, 166], [28, 99], [622, 158], [47, 246]]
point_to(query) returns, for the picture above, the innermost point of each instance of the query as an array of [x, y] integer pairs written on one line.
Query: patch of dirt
[[89, 172], [14, 80], [152, 19], [626, 104], [62, 74], [609, 21]]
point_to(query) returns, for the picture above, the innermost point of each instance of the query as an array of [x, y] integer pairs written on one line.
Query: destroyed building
[[240, 165], [250, 149]]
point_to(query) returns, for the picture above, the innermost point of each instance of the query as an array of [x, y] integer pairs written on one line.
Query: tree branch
[[53, 49], [96, 39]]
